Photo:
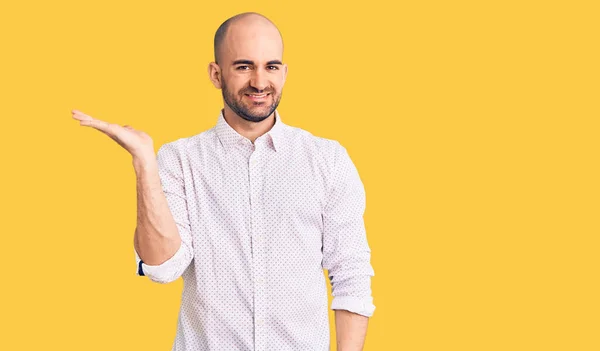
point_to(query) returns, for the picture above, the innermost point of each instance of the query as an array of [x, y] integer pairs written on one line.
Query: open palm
[[136, 142]]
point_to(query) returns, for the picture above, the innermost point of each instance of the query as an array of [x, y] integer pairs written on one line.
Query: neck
[[250, 130]]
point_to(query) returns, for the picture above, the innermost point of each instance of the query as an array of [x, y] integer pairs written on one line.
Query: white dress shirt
[[259, 223]]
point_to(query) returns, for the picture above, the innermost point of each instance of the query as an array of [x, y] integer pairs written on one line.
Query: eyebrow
[[250, 62]]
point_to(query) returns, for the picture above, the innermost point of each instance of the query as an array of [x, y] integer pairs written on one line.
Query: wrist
[[144, 162]]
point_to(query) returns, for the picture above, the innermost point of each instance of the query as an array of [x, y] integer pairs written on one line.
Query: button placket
[[256, 179]]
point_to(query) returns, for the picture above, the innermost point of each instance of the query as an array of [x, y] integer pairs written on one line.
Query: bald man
[[250, 212]]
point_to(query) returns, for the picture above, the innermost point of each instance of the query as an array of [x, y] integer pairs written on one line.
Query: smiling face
[[250, 71]]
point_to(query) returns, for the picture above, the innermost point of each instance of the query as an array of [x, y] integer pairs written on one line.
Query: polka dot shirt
[[259, 222]]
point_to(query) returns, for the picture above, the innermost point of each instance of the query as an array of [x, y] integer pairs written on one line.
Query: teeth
[[258, 96]]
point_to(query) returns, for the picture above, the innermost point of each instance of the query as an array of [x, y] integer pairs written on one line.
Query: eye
[[273, 67], [241, 68]]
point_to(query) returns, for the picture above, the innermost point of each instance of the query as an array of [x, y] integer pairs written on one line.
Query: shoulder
[[301, 139], [328, 152], [182, 146]]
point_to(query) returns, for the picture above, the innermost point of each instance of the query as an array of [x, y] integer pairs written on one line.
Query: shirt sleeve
[[346, 252], [170, 170]]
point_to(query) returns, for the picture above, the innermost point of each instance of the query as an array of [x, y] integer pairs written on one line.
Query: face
[[252, 74], [250, 102]]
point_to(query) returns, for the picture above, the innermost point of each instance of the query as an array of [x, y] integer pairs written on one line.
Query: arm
[[162, 236], [350, 330], [346, 253], [162, 240]]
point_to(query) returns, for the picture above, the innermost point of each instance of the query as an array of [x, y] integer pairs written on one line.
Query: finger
[[103, 126], [110, 129], [88, 120], [80, 115], [96, 123]]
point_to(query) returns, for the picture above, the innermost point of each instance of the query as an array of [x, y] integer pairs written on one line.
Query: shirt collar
[[229, 137]]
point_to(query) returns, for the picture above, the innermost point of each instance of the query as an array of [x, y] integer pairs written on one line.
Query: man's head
[[248, 65]]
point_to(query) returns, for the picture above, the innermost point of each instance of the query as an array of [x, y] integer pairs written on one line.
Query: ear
[[214, 74], [285, 69]]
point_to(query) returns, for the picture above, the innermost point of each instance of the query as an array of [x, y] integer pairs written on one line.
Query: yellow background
[[473, 124]]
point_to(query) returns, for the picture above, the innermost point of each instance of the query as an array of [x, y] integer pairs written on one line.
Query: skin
[[251, 62], [350, 330], [254, 39], [257, 42]]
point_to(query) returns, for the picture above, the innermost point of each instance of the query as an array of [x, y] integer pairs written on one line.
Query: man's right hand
[[136, 142]]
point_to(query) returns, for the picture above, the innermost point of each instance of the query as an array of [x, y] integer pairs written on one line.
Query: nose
[[259, 80]]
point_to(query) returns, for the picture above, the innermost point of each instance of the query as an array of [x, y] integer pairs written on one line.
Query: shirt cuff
[[162, 272], [360, 305]]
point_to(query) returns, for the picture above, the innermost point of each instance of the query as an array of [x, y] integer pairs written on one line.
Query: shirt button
[[260, 321], [260, 280]]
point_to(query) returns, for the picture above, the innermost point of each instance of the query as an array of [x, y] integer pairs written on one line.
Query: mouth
[[258, 97]]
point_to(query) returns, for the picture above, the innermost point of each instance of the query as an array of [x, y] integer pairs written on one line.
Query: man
[[250, 212]]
